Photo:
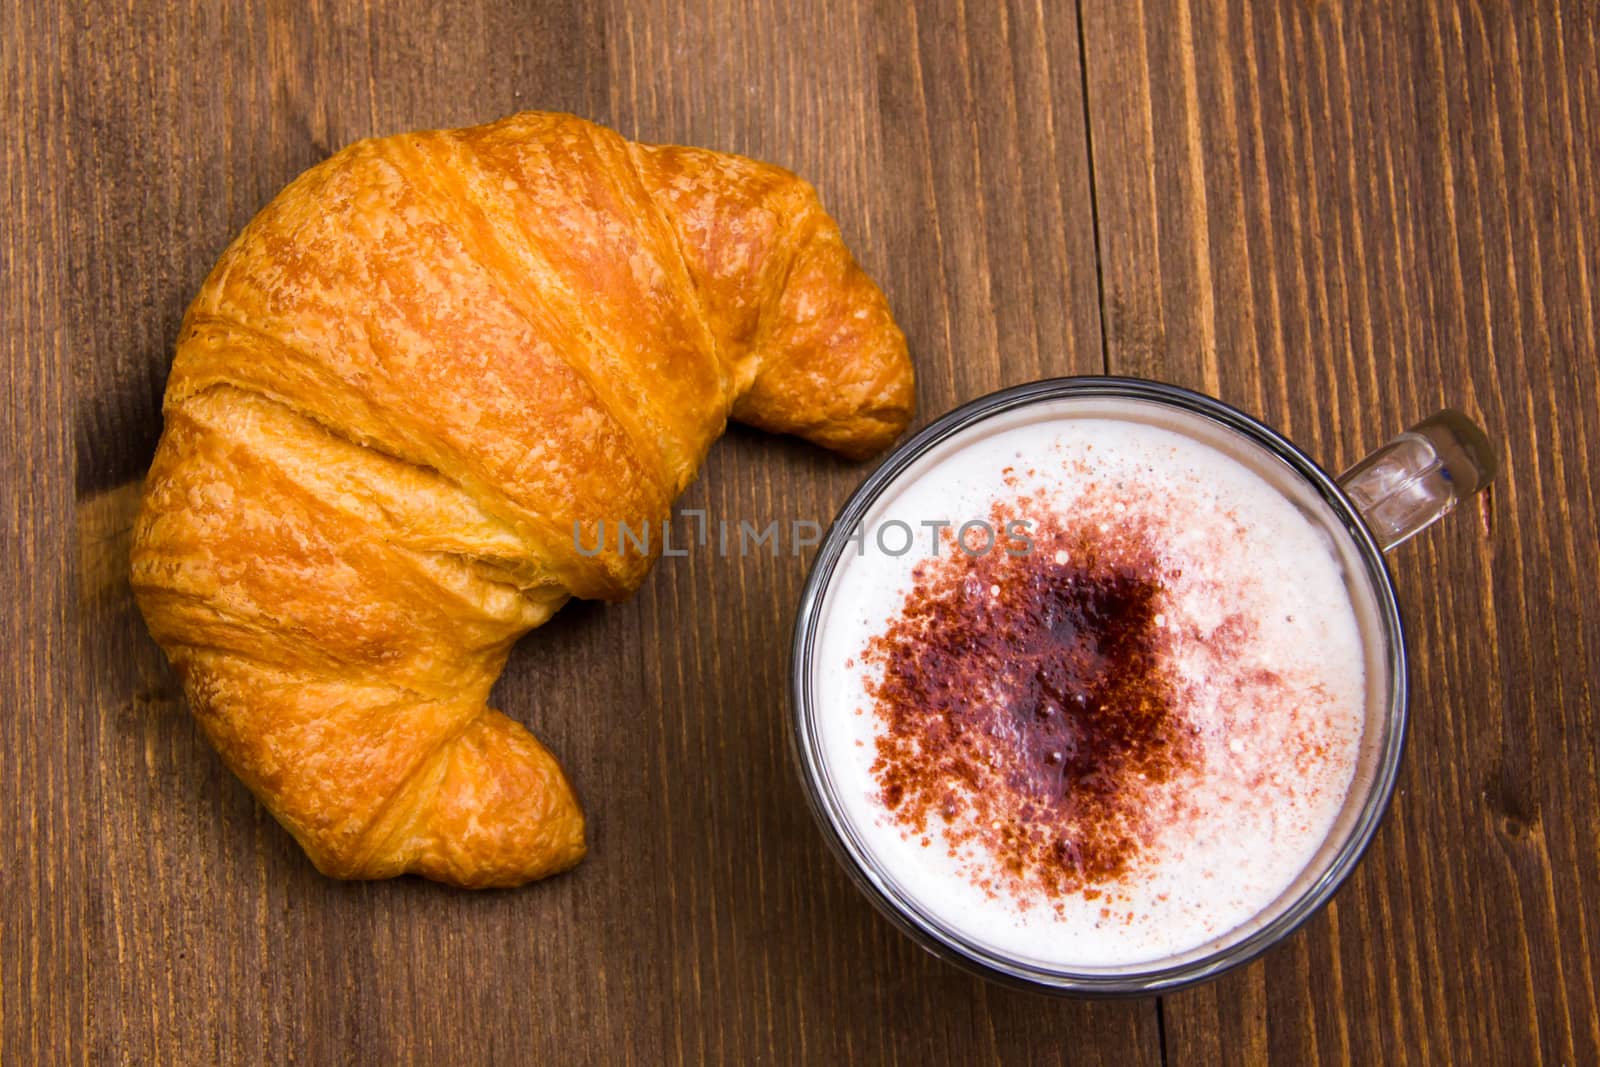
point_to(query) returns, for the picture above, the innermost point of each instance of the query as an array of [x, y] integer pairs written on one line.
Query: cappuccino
[[1119, 732]]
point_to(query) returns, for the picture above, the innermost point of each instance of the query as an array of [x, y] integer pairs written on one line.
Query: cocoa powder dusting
[[1027, 710]]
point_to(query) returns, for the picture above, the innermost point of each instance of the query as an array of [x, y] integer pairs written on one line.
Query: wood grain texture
[[46, 951], [1337, 216], [1342, 217]]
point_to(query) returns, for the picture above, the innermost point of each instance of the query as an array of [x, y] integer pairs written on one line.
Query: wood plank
[[213, 939], [986, 256], [1341, 217], [45, 873]]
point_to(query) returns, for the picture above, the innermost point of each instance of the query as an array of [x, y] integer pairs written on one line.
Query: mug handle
[[1419, 477]]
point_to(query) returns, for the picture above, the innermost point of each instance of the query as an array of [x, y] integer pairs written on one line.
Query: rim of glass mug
[[1157, 976]]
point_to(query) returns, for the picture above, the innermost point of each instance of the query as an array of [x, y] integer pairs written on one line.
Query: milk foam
[[1276, 757]]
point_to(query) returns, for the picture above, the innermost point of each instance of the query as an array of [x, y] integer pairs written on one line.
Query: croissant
[[404, 400]]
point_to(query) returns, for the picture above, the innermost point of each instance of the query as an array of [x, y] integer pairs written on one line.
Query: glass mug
[[1378, 504]]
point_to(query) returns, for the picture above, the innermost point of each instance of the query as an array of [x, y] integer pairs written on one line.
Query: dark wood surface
[[1338, 216]]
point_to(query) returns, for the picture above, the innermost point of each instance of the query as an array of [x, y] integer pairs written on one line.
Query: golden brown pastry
[[398, 391]]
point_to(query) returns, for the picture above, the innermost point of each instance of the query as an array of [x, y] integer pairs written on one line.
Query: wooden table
[[1338, 216]]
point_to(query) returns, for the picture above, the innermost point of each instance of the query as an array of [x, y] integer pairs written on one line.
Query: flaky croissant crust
[[397, 393]]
